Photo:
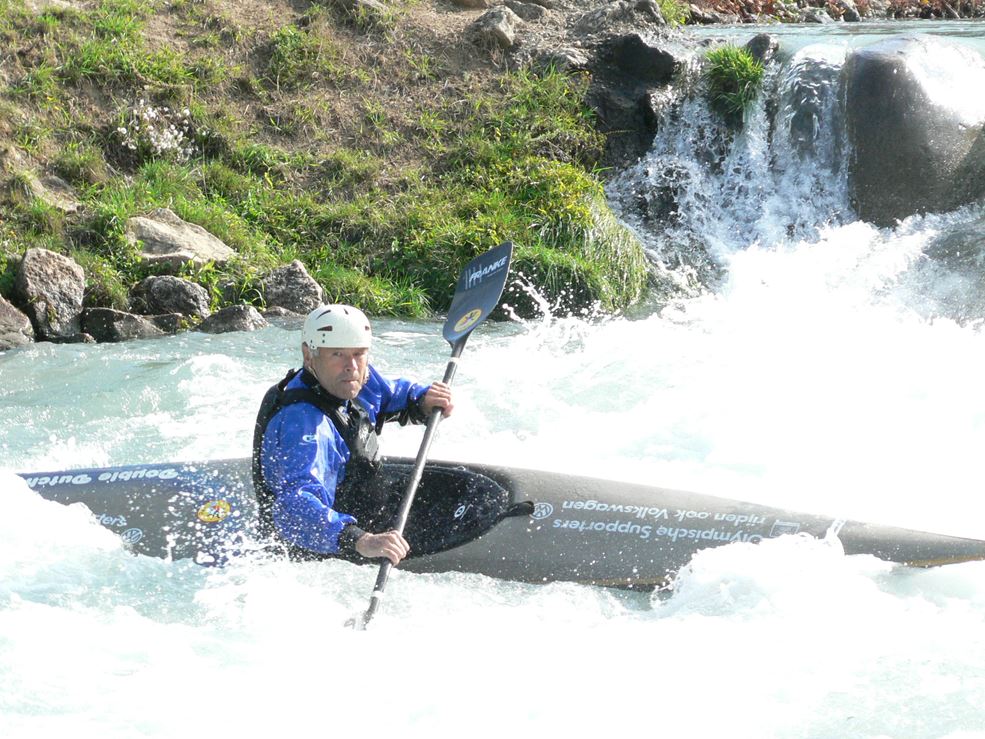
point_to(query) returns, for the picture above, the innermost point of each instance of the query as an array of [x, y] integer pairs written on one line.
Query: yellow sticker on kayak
[[214, 511]]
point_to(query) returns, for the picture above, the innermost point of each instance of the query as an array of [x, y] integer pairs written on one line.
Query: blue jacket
[[304, 457]]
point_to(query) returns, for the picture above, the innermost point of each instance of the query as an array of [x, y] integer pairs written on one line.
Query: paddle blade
[[477, 293]]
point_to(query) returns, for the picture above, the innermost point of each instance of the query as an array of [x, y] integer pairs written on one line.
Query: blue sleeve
[[380, 395], [303, 461]]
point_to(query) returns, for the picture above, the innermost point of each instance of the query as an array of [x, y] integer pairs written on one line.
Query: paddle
[[477, 293]]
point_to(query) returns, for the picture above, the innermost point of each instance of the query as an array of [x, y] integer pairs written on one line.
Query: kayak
[[515, 524]]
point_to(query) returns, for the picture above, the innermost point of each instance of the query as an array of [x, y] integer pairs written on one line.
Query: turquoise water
[[794, 36]]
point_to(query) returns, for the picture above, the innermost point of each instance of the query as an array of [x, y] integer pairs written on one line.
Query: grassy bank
[[382, 150]]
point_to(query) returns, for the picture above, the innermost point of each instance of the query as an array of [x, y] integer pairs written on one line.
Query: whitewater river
[[822, 375]]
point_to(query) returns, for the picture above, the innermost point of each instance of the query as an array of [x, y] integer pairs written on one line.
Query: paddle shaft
[[415, 479]]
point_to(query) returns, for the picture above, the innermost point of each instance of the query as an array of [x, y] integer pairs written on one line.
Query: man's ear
[[306, 353]]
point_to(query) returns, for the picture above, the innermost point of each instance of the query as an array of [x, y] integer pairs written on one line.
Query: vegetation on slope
[[382, 151]]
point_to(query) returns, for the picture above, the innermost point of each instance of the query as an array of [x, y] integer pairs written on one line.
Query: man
[[315, 450]]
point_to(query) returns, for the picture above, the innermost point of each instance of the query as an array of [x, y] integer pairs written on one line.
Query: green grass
[[303, 57], [674, 12], [81, 163], [733, 77], [8, 265], [383, 213]]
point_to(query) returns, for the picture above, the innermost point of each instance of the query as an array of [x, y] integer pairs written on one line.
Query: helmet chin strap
[[309, 365]]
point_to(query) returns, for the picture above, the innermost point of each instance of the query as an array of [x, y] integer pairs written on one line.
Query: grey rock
[[621, 13], [565, 59], [849, 11], [293, 288], [15, 327], [278, 312], [703, 17], [815, 15], [169, 294], [233, 318], [169, 323], [496, 28], [106, 324], [167, 239], [763, 47], [526, 11], [918, 134], [51, 287]]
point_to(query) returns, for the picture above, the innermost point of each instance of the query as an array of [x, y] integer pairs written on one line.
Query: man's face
[[342, 372]]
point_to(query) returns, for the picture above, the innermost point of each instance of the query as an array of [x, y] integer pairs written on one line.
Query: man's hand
[[437, 396], [389, 544]]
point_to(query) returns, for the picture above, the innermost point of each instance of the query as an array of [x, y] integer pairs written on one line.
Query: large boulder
[[15, 327], [51, 287], [630, 73], [107, 324], [233, 318], [640, 61], [293, 288], [916, 121], [169, 294], [164, 238]]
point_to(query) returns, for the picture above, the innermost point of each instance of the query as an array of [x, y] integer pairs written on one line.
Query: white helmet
[[337, 326]]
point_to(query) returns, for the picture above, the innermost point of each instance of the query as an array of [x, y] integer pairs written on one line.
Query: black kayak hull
[[577, 529]]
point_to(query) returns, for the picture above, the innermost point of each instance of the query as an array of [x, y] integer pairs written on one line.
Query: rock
[[877, 9], [640, 61], [51, 286], [233, 318], [47, 6], [565, 59], [628, 77], [278, 313], [169, 323], [849, 11], [293, 288], [526, 11], [496, 28], [11, 159], [763, 47], [167, 239], [917, 133], [815, 15], [169, 294], [621, 13], [57, 193], [472, 4], [106, 324], [700, 16], [50, 190], [15, 327]]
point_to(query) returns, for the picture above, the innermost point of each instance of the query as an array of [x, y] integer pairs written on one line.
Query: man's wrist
[[348, 538]]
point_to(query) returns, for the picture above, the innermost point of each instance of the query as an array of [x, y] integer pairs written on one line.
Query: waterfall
[[705, 191]]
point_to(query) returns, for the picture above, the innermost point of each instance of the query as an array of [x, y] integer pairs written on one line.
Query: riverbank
[[379, 146], [371, 148]]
